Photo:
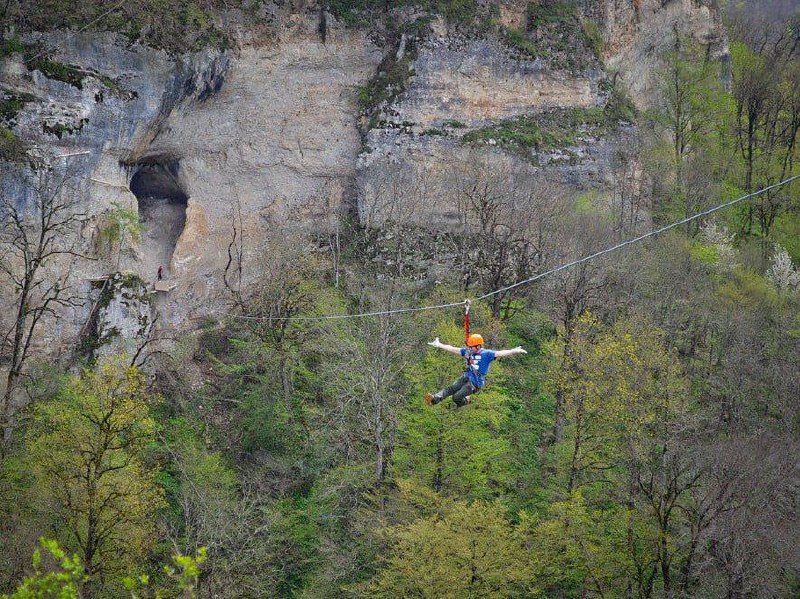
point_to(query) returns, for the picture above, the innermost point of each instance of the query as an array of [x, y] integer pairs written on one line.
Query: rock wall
[[458, 85], [637, 33], [263, 138], [268, 138], [480, 80], [277, 144], [121, 317]]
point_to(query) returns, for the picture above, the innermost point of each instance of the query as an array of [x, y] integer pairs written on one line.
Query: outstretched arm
[[448, 348], [504, 353]]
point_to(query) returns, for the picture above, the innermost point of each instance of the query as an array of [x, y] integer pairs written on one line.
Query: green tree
[[576, 551], [621, 387], [366, 377], [687, 118], [766, 90], [63, 583], [471, 551], [87, 452], [120, 227], [208, 508]]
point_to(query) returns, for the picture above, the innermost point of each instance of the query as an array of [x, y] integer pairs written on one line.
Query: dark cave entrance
[[162, 210]]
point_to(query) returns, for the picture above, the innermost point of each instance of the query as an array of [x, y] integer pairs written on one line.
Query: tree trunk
[[438, 472], [287, 387], [566, 361], [576, 448], [17, 360], [664, 562]]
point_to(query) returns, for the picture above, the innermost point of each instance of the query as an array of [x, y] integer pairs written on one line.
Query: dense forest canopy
[[646, 446]]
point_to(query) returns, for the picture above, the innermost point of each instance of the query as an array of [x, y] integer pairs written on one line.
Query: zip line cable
[[608, 250], [637, 239]]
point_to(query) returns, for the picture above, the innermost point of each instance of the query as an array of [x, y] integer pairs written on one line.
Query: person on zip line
[[478, 362]]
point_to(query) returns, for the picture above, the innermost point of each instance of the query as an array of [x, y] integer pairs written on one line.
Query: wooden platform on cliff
[[163, 286]]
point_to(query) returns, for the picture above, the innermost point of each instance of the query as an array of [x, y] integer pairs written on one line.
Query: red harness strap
[[467, 304]]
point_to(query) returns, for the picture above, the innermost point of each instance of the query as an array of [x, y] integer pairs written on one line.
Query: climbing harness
[[469, 357], [467, 304]]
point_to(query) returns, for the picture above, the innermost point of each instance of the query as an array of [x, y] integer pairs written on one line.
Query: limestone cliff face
[[460, 85], [275, 149], [269, 137], [638, 32], [477, 83], [263, 139], [481, 80]]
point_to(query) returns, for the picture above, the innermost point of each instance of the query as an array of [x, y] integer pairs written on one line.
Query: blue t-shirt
[[477, 365]]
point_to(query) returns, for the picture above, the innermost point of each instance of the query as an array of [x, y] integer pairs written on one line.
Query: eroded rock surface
[[636, 37], [480, 80], [269, 137], [277, 144]]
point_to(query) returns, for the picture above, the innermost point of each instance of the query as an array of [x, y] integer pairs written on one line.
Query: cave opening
[[162, 210]]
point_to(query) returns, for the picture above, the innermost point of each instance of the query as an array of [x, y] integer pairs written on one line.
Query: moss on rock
[[553, 129]]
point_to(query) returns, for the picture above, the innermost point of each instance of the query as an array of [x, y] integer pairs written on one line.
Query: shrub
[[12, 148], [554, 129]]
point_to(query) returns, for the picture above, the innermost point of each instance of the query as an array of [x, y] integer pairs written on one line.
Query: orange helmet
[[474, 340]]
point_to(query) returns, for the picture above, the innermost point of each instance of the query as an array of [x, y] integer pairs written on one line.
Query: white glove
[[435, 343]]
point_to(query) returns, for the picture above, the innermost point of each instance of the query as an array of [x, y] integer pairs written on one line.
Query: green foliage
[[530, 410], [469, 551], [706, 253], [555, 34], [119, 225], [174, 25], [621, 385], [575, 549], [518, 39], [542, 14], [463, 12], [593, 37], [553, 129], [184, 574], [296, 535], [786, 232], [11, 103], [12, 148], [99, 427], [57, 70], [455, 451], [188, 571], [391, 81], [619, 106], [201, 488], [67, 581], [63, 583], [11, 46]]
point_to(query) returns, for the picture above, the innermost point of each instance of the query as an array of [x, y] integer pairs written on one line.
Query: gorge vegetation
[[645, 447]]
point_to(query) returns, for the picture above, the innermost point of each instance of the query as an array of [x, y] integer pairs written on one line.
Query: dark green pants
[[460, 389]]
